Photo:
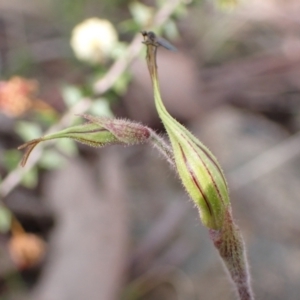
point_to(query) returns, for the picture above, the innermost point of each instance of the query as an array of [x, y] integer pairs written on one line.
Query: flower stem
[[229, 242], [205, 182]]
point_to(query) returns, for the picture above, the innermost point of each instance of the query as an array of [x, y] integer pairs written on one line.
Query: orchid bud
[[198, 170], [98, 132], [200, 173], [197, 167]]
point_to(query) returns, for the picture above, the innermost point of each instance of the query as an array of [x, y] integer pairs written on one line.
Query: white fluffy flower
[[93, 40]]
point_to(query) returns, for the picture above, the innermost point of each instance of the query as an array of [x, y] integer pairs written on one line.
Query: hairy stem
[[229, 242]]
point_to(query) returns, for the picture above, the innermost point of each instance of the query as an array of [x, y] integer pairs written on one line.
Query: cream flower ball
[[93, 40]]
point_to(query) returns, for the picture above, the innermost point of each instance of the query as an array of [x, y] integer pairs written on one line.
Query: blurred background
[[115, 223]]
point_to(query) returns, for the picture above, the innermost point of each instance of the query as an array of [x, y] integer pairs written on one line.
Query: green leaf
[[181, 11], [101, 108], [121, 85], [71, 95], [119, 50], [30, 178], [171, 30], [142, 14], [46, 117], [28, 130], [11, 159], [67, 147], [5, 219], [51, 159], [128, 26], [227, 4]]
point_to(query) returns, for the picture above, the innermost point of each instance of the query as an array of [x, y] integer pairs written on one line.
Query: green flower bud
[[126, 132], [197, 167], [98, 132], [200, 173]]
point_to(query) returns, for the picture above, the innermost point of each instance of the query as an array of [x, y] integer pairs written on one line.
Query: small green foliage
[[67, 147], [119, 50], [30, 178], [10, 159], [121, 85], [227, 4], [28, 130], [46, 117], [71, 95], [141, 13], [100, 107], [51, 159], [171, 30], [5, 219]]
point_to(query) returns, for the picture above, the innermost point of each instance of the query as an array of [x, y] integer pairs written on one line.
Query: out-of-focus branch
[[100, 87], [265, 162]]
